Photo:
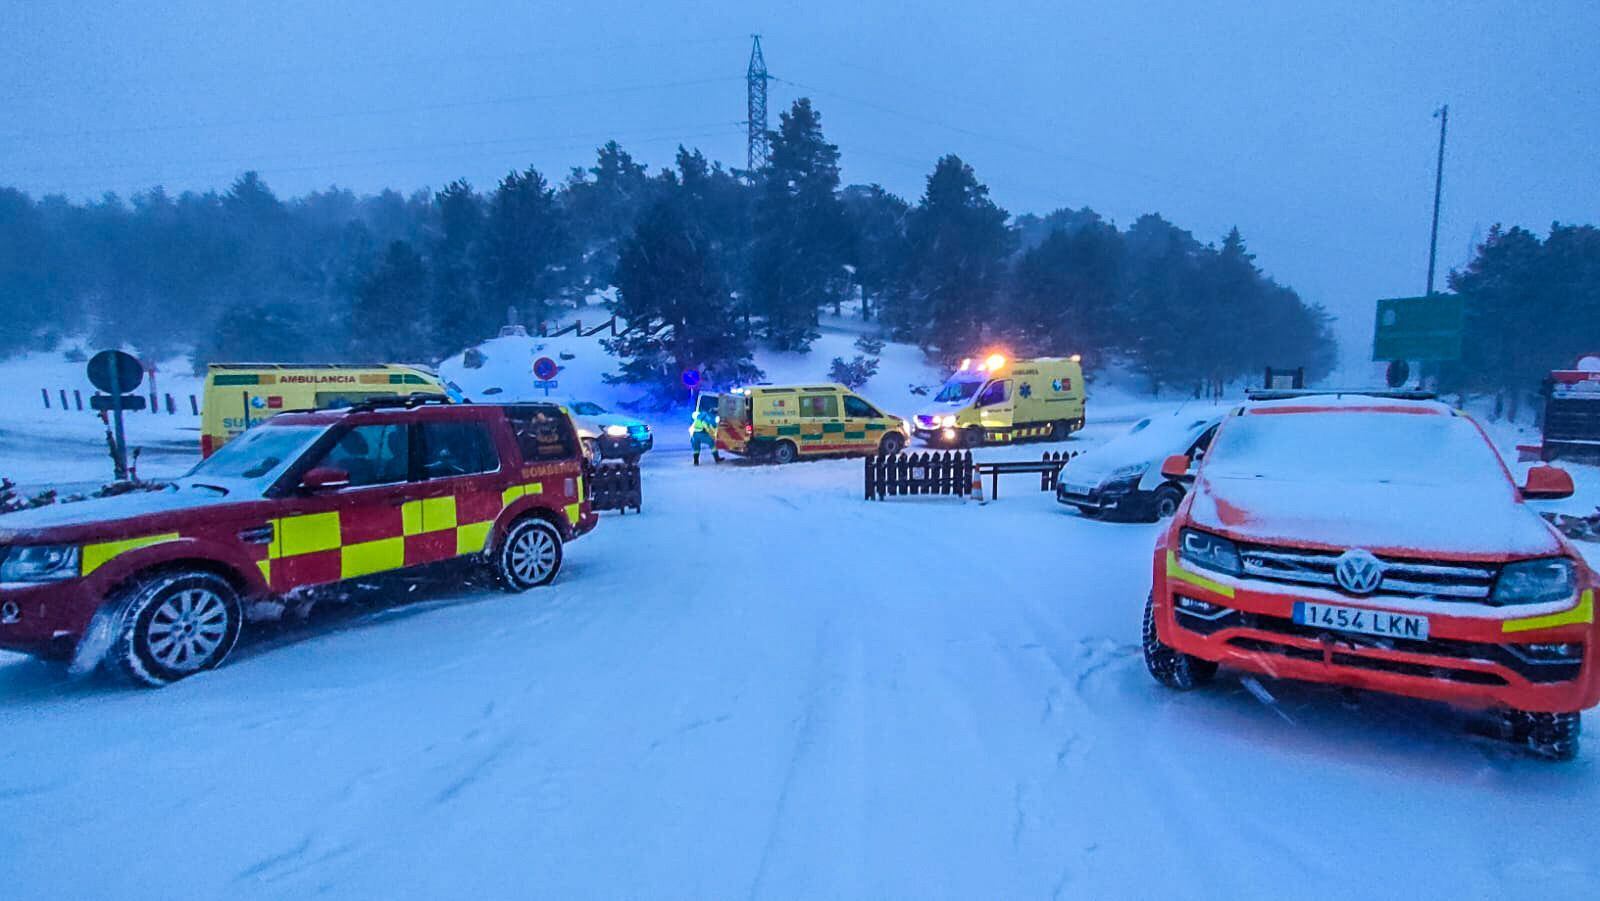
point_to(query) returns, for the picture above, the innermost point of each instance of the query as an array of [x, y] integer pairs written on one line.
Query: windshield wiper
[[217, 488]]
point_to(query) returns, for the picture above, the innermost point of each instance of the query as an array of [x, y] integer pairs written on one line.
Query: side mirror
[[1175, 467], [324, 478], [1547, 483]]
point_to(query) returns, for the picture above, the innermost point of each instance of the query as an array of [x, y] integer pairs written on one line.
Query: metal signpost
[[115, 373], [544, 374]]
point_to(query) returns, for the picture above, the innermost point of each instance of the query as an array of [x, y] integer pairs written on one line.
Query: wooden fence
[[947, 473], [73, 400], [951, 473], [610, 325]]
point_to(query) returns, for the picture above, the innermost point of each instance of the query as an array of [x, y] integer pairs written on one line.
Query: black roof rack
[[1387, 393], [392, 401]]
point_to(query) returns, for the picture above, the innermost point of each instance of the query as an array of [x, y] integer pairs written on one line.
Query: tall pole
[[756, 108], [1443, 115]]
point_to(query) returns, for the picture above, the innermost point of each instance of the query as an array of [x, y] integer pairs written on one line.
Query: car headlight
[[40, 563], [1208, 551], [1125, 475], [617, 431], [1535, 582], [947, 421]]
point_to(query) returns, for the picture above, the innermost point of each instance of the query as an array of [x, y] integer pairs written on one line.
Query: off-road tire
[[1165, 503], [173, 624], [1171, 667], [1554, 736], [785, 452], [891, 444], [528, 556]]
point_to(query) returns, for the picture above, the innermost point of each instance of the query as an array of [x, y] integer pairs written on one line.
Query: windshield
[[258, 456], [957, 390], [1353, 447], [1151, 437], [586, 408]]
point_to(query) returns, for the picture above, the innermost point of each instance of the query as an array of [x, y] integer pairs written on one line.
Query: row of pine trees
[[724, 259]]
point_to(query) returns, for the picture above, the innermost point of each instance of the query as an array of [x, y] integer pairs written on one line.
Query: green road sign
[[1418, 328]]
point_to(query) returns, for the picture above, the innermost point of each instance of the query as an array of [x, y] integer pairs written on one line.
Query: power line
[[728, 130], [265, 161], [1002, 139], [381, 111]]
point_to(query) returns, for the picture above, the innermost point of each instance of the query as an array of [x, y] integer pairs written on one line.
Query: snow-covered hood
[[1092, 467], [107, 510], [1481, 520]]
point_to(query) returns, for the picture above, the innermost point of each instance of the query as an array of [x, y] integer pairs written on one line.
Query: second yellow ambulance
[[999, 401], [786, 422]]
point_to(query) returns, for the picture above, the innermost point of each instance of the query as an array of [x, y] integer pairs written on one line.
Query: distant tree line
[[723, 258], [1530, 306]]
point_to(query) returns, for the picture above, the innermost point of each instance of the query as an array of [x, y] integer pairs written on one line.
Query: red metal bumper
[[46, 619], [1265, 641]]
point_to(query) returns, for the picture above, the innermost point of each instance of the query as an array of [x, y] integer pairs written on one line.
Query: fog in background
[[1309, 129]]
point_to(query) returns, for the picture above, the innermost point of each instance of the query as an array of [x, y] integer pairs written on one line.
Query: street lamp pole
[[1443, 115]]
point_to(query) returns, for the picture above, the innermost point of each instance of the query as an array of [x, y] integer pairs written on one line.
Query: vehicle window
[[260, 454], [1202, 443], [995, 392], [333, 400], [585, 408], [819, 406], [856, 408], [954, 390], [542, 434], [371, 454], [457, 449]]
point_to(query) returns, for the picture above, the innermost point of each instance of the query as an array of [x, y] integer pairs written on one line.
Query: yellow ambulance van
[[786, 422], [240, 395], [999, 401]]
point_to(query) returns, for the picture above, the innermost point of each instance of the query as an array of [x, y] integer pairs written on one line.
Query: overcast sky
[[1309, 129]]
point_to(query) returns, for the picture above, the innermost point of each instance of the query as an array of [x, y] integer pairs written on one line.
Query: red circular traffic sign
[[545, 369]]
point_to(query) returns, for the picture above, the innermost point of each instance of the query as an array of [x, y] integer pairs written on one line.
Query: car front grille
[[1470, 582], [1349, 645]]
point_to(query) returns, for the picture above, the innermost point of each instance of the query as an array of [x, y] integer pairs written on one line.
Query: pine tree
[[602, 203], [957, 249], [878, 224], [458, 310], [385, 327], [526, 247], [1067, 294], [670, 286], [802, 235]]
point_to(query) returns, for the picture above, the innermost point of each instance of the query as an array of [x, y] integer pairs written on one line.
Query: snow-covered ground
[[764, 686]]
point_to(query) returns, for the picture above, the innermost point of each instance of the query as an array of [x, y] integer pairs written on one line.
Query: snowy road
[[765, 687]]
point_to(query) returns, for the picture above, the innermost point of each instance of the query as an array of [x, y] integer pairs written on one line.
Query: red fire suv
[[1378, 543], [155, 584]]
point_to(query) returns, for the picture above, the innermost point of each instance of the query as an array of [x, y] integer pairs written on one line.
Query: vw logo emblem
[[1358, 571]]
